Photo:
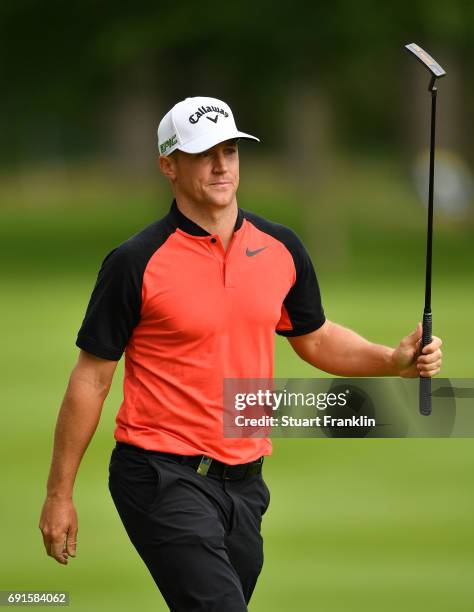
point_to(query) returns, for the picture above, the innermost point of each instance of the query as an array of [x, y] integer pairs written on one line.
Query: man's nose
[[220, 163]]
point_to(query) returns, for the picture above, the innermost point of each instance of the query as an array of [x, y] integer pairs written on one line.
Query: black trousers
[[199, 536]]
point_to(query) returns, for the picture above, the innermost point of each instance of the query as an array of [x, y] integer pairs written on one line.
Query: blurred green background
[[343, 114]]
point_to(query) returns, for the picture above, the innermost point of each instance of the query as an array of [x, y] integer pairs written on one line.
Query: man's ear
[[167, 165]]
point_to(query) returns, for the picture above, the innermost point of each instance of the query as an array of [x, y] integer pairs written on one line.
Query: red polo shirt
[[188, 314]]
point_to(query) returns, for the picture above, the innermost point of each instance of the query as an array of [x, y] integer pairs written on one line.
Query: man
[[192, 299]]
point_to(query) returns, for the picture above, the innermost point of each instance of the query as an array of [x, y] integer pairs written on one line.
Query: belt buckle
[[204, 465]]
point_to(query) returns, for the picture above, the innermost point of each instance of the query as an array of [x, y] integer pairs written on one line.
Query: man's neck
[[218, 220]]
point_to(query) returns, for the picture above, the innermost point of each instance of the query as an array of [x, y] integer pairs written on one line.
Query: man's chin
[[224, 198]]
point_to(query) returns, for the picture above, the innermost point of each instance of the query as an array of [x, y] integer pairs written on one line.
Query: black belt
[[205, 465]]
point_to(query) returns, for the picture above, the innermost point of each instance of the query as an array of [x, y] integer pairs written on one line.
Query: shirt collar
[[186, 225]]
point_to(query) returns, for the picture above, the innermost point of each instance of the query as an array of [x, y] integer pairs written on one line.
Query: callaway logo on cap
[[197, 124]]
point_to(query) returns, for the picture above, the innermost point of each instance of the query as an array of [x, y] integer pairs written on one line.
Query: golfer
[[194, 298]]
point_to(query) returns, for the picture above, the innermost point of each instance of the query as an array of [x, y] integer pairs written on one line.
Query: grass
[[353, 525]]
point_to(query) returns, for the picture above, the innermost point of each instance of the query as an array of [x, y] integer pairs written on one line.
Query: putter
[[436, 72]]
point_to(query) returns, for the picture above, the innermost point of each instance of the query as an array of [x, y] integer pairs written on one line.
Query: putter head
[[426, 60]]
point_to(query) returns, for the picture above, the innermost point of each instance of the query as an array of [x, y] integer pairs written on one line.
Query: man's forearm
[[77, 421], [343, 352]]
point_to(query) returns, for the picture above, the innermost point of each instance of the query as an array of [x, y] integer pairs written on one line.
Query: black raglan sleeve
[[302, 310], [114, 306]]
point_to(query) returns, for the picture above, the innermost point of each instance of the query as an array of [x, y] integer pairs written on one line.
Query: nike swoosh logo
[[250, 253], [215, 118]]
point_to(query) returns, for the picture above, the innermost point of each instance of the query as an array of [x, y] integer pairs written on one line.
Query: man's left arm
[[340, 351]]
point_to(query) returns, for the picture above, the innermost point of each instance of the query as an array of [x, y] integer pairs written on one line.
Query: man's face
[[210, 177]]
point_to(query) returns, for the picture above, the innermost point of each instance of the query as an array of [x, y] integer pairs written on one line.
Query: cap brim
[[203, 143]]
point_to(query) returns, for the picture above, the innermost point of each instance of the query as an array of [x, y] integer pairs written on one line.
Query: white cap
[[197, 124]]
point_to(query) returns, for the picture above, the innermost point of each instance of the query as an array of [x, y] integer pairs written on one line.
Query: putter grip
[[425, 382]]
